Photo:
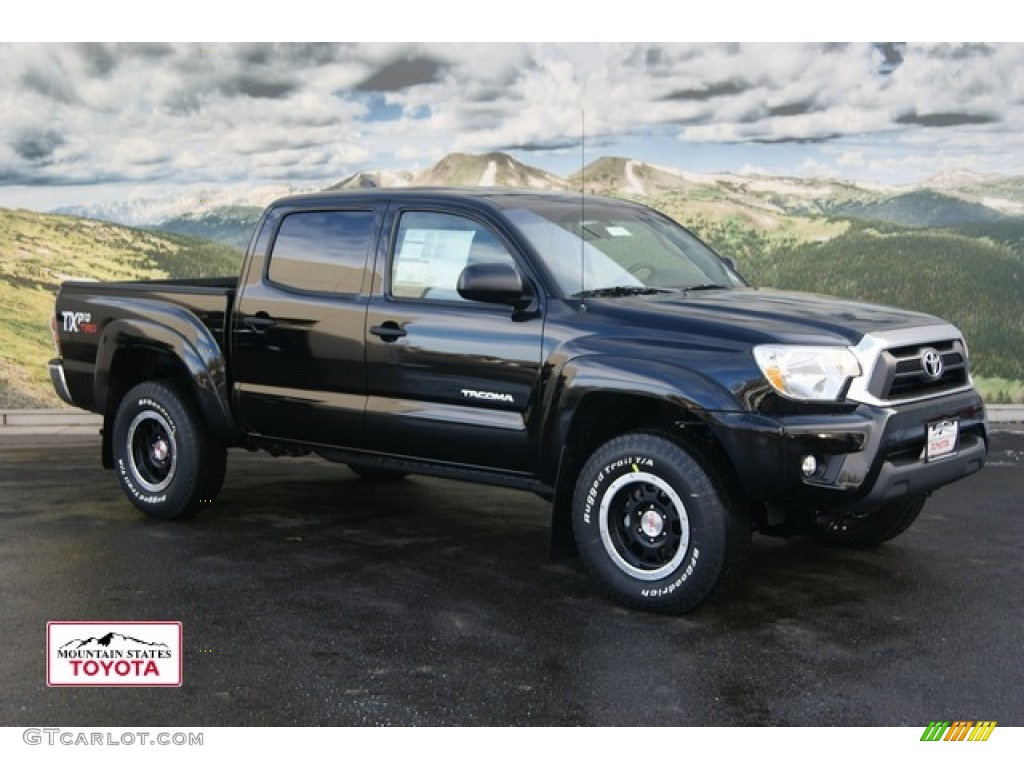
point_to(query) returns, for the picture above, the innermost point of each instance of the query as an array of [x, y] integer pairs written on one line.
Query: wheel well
[[600, 417], [131, 366], [603, 416]]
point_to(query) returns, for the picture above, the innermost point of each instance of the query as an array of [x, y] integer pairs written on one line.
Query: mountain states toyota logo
[[128, 653]]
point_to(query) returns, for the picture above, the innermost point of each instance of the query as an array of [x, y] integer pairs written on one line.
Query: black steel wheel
[[152, 450], [644, 526]]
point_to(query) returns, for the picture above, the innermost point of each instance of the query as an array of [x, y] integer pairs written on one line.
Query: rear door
[[448, 379], [298, 362]]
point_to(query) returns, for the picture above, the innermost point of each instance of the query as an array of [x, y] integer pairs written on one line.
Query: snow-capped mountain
[[151, 212]]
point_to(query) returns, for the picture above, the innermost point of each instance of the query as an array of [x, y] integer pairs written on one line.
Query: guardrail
[[49, 417], [1005, 414]]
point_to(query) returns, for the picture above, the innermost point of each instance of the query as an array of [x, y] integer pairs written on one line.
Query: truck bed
[[86, 309]]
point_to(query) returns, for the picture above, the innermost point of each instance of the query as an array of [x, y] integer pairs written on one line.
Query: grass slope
[[38, 252]]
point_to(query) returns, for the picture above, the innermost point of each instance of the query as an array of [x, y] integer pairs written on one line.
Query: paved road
[[311, 597]]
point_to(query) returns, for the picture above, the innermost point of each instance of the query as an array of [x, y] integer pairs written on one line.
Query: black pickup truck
[[589, 350]]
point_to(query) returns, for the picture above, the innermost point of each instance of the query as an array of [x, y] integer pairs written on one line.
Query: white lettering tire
[[653, 527], [166, 463]]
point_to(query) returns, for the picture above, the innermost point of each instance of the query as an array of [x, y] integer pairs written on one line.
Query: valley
[[952, 245]]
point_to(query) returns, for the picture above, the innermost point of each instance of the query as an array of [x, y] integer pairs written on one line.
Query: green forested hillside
[[971, 274], [977, 285], [920, 208], [39, 251]]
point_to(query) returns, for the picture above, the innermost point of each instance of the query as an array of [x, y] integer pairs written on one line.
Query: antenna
[[583, 206]]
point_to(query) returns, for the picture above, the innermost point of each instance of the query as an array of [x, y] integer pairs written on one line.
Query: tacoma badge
[[477, 394]]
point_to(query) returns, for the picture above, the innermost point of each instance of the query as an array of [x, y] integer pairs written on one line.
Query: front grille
[[900, 374]]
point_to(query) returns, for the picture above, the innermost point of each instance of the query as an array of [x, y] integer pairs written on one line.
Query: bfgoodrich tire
[[166, 463], [655, 528], [871, 528]]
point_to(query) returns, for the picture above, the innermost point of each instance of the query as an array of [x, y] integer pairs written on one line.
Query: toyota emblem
[[931, 364]]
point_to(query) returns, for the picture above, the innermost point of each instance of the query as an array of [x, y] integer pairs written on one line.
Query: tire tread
[[210, 460]]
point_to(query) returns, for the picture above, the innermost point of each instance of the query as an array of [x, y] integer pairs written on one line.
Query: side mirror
[[493, 283]]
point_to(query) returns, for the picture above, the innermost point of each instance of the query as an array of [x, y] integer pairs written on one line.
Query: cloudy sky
[[89, 122]]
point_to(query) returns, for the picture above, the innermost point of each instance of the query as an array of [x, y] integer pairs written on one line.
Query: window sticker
[[432, 257]]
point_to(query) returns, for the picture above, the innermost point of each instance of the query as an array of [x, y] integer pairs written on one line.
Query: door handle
[[389, 331], [259, 322]]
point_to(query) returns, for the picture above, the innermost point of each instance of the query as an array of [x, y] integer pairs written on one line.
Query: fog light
[[809, 466]]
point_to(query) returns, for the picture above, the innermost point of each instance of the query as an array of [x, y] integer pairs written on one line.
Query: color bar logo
[[959, 730], [127, 653]]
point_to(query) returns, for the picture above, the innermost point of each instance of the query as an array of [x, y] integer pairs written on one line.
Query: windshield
[[597, 248]]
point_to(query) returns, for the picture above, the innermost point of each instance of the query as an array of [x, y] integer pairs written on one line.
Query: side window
[[322, 251], [431, 251]]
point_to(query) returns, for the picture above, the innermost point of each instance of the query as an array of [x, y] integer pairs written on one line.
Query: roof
[[485, 197]]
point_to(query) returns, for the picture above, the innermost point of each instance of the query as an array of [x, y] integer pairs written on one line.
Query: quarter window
[[322, 251], [431, 251]]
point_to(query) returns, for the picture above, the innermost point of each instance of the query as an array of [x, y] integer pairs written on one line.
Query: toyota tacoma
[[589, 350]]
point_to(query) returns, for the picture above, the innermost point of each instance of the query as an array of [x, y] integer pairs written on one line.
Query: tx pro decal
[[78, 322], [479, 394]]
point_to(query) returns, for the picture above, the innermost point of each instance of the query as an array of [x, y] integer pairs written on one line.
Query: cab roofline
[[495, 197]]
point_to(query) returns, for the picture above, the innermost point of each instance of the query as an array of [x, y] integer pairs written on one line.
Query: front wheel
[[166, 463], [653, 527]]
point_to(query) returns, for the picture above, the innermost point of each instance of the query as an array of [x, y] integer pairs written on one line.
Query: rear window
[[322, 251]]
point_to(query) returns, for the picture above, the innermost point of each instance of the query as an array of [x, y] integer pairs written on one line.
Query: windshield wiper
[[620, 290], [706, 287]]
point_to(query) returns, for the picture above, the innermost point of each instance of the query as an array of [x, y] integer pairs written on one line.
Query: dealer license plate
[[941, 440]]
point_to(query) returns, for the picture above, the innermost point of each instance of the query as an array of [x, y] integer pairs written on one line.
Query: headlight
[[807, 373]]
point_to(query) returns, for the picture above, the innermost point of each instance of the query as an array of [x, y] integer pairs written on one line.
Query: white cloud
[[211, 114], [812, 168], [851, 159], [418, 152]]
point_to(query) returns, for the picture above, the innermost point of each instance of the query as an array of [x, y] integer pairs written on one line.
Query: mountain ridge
[[823, 235], [208, 215]]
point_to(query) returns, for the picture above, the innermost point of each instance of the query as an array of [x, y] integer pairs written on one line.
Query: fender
[[603, 373], [180, 333]]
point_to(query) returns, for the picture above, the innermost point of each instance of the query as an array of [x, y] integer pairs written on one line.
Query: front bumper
[[868, 457]]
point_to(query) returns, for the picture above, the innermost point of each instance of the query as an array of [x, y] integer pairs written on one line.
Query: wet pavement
[[310, 597]]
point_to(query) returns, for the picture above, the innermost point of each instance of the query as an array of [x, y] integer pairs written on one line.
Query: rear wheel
[[654, 528], [870, 529], [166, 463]]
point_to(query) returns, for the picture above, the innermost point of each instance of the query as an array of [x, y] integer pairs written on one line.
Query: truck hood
[[761, 315]]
